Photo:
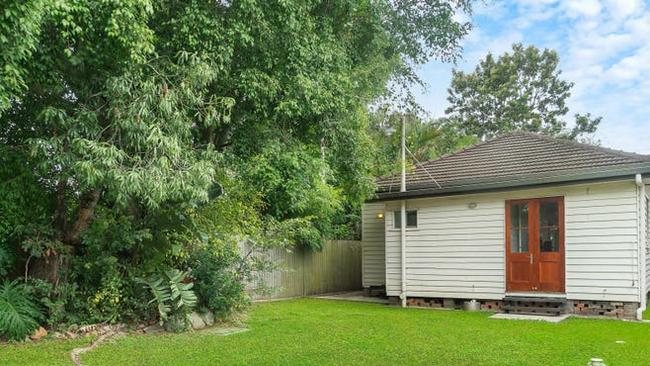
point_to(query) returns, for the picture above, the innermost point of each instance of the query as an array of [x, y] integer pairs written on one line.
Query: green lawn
[[310, 331]]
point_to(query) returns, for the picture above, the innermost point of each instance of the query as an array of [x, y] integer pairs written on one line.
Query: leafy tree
[[307, 70], [521, 90], [20, 26], [102, 118], [295, 184], [425, 140], [125, 119]]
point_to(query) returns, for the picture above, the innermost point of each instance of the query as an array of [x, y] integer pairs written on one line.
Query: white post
[[640, 189], [403, 216]]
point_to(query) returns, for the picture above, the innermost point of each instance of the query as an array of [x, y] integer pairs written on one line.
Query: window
[[411, 219]]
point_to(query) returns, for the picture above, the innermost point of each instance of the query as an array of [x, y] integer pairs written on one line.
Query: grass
[[311, 331], [47, 352]]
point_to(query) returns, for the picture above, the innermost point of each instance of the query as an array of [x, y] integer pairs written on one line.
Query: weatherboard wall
[[373, 244], [459, 252]]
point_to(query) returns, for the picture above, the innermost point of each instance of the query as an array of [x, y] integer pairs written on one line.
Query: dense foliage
[[521, 90], [149, 137]]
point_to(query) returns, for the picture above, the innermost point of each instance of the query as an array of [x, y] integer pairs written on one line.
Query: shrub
[[173, 297], [19, 314], [219, 282], [62, 306], [105, 270]]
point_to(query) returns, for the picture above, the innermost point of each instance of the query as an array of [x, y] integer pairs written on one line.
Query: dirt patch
[[106, 333]]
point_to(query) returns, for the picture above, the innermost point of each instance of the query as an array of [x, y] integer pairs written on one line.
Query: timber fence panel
[[303, 272]]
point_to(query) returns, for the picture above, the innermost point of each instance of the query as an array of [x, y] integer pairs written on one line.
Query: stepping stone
[[543, 318], [225, 331], [154, 329]]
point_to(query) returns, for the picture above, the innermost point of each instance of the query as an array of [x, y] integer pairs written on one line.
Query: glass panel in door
[[549, 227], [519, 228]]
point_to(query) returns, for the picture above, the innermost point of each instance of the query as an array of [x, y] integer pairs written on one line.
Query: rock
[[175, 324], [196, 321], [58, 335], [38, 334], [71, 335], [208, 318], [153, 329], [73, 328], [87, 329]]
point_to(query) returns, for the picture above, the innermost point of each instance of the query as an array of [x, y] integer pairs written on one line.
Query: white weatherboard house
[[521, 223]]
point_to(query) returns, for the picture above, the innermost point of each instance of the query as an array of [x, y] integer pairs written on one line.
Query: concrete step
[[531, 310], [534, 305], [534, 299]]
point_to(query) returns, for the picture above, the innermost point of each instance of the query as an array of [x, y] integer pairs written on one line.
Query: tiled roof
[[512, 160]]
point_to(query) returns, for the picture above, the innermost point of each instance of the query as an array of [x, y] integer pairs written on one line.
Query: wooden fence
[[303, 272]]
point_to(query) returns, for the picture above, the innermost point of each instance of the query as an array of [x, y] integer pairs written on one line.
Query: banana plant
[[172, 296]]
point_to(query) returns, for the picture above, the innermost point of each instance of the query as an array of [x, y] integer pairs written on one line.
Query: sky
[[604, 48]]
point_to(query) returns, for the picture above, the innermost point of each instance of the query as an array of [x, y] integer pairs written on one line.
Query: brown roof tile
[[514, 157]]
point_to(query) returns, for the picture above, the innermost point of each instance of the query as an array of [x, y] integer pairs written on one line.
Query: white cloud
[[618, 47], [535, 3], [620, 9], [492, 9], [629, 68], [578, 8]]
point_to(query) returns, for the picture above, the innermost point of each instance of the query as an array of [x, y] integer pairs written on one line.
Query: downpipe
[[638, 179], [402, 295]]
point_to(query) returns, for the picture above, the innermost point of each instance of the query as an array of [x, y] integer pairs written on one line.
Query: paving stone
[[225, 331], [153, 329], [544, 318]]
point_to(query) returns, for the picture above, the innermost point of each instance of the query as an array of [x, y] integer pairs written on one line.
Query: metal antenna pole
[[403, 182], [403, 215]]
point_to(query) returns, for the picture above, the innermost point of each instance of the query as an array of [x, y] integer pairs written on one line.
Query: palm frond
[[19, 314]]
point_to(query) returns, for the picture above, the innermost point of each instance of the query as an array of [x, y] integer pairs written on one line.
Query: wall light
[[380, 215]]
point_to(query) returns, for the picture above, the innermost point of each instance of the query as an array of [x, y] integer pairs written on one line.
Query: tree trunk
[[48, 267], [55, 263], [85, 214]]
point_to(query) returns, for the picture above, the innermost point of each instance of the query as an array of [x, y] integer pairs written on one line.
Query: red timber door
[[535, 245]]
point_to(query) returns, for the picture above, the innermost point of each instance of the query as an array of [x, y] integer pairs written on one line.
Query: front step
[[551, 306]]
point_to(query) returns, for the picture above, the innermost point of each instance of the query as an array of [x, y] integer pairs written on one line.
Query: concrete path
[[352, 296]]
